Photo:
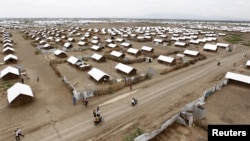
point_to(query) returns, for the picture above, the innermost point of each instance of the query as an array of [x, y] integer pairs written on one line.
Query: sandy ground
[[52, 116]]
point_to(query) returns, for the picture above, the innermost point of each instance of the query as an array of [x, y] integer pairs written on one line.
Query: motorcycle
[[98, 120], [134, 101]]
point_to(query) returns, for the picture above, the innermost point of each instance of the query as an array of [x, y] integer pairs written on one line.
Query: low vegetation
[[134, 132], [234, 38]]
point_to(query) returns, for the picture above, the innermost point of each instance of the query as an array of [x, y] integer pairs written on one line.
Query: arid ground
[[52, 116]]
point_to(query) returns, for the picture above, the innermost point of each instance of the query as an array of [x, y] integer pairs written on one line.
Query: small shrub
[[135, 132]]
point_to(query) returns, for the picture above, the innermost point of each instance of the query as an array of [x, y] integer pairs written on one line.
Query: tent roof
[[95, 47], [179, 43], [9, 69], [133, 50], [248, 63], [73, 60], [146, 48], [9, 57], [67, 44], [8, 48], [238, 77], [18, 89], [112, 45], [166, 58], [191, 52], [124, 68], [222, 45], [58, 52], [210, 47], [116, 53], [96, 56], [125, 44], [96, 73]]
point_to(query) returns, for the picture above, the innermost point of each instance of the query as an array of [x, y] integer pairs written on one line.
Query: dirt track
[[159, 99]]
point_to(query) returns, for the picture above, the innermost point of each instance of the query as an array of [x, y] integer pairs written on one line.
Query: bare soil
[[52, 116]]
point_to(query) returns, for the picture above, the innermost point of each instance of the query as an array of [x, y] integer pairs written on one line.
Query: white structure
[[166, 59], [111, 45], [210, 47], [10, 57], [125, 68], [117, 54], [67, 45], [95, 47], [191, 52], [222, 45], [73, 60], [147, 49], [133, 51], [98, 75], [17, 90], [181, 44], [9, 71], [248, 63], [238, 77]]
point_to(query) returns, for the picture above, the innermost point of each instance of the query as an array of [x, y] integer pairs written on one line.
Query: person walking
[[37, 78], [86, 102], [74, 100], [19, 132], [98, 112], [94, 113], [218, 63], [17, 136]]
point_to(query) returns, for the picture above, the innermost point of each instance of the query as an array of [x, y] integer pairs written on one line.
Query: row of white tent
[[8, 49]]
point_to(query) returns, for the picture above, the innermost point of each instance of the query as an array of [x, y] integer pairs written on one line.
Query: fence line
[[193, 112]]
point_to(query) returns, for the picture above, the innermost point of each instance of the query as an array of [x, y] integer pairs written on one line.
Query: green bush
[[135, 132]]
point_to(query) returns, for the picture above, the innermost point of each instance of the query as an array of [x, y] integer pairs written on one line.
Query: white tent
[[166, 59], [191, 52], [125, 68], [248, 63], [73, 60], [98, 75], [17, 90], [238, 77], [210, 47]]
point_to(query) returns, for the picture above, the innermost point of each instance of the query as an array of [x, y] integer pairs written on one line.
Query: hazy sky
[[125, 8]]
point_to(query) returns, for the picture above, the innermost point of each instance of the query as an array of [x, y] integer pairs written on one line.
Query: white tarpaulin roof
[[58, 52], [248, 63], [10, 56], [124, 68], [146, 48], [125, 44], [96, 73], [210, 47], [112, 45], [132, 50], [18, 89], [96, 56], [191, 52], [238, 77], [165, 58], [222, 45], [178, 43], [67, 45], [9, 69], [72, 60], [95, 47], [116, 53], [8, 48]]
